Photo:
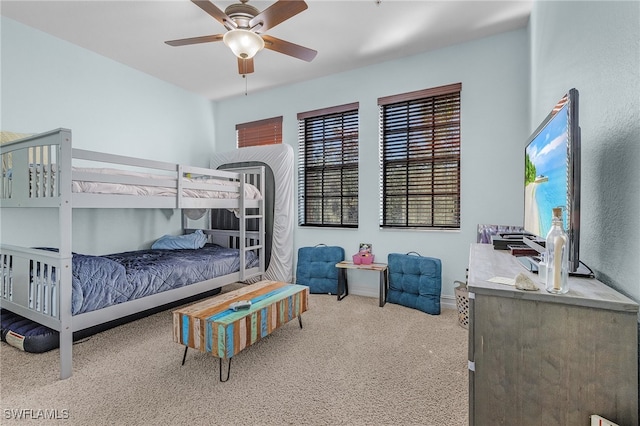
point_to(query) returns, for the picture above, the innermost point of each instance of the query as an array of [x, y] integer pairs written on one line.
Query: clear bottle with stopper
[[557, 256]]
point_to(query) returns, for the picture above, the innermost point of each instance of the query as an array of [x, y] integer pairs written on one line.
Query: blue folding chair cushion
[[415, 281]]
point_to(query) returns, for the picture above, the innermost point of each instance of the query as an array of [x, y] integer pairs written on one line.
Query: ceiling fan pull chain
[[245, 84]]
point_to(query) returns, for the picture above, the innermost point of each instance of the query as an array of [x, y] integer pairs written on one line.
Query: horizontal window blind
[[261, 132], [420, 159], [328, 167]]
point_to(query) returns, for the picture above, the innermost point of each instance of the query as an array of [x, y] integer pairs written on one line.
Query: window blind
[[261, 132], [328, 167], [420, 159]]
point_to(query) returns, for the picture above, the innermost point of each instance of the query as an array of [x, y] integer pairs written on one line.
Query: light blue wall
[[509, 81], [594, 46], [494, 73], [48, 83]]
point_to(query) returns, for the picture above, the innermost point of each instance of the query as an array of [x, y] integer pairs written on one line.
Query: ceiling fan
[[246, 25]]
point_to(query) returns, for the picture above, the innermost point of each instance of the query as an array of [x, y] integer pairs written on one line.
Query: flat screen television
[[552, 178]]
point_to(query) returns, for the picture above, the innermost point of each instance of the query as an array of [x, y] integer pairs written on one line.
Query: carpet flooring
[[352, 363]]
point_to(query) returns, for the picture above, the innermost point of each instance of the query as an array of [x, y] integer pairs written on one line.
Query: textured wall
[[594, 46]]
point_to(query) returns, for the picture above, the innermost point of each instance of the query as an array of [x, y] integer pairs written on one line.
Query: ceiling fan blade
[[216, 13], [289, 48], [195, 40], [275, 14], [245, 66]]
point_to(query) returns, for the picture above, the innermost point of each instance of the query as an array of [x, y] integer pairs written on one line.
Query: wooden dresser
[[537, 358]]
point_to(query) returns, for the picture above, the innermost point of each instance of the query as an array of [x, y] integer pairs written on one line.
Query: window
[[420, 159], [261, 132], [328, 167]]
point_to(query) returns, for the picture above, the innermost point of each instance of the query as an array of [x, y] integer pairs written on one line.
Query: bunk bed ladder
[[245, 244]]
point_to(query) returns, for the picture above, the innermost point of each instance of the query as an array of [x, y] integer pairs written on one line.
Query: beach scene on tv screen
[[546, 175]]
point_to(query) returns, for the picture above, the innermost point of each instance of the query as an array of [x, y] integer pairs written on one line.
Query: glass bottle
[[557, 256]]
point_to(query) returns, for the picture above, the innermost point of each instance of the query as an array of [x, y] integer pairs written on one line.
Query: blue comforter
[[101, 281]]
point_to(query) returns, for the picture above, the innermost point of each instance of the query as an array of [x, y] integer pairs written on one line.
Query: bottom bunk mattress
[[102, 281]]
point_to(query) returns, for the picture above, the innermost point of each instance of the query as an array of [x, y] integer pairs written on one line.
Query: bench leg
[[184, 357], [228, 370], [300, 320], [384, 287], [343, 285]]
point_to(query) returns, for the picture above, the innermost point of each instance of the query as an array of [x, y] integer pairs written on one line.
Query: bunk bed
[[44, 284]]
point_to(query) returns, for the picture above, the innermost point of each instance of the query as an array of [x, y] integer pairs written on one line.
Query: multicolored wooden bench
[[212, 326]]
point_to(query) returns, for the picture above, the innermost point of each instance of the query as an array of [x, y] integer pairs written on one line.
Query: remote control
[[240, 305]]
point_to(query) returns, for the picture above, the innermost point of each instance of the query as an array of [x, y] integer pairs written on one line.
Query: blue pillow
[[195, 240]]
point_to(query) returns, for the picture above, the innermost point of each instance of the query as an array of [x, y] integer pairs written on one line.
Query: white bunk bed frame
[[47, 301]]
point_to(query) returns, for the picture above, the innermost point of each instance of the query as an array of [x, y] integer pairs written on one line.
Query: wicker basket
[[462, 301]]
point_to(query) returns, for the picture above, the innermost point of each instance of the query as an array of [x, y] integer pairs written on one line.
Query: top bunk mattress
[[226, 188], [97, 181]]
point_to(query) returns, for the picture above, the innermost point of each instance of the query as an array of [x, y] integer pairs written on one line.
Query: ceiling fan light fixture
[[243, 43]]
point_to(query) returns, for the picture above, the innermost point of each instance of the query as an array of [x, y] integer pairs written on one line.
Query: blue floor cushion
[[415, 281], [317, 268]]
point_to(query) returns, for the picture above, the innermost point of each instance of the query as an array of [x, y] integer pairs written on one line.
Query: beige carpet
[[353, 363]]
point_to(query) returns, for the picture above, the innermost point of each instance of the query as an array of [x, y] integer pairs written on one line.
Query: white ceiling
[[346, 34]]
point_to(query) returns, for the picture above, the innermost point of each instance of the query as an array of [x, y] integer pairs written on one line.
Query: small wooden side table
[[380, 267]]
